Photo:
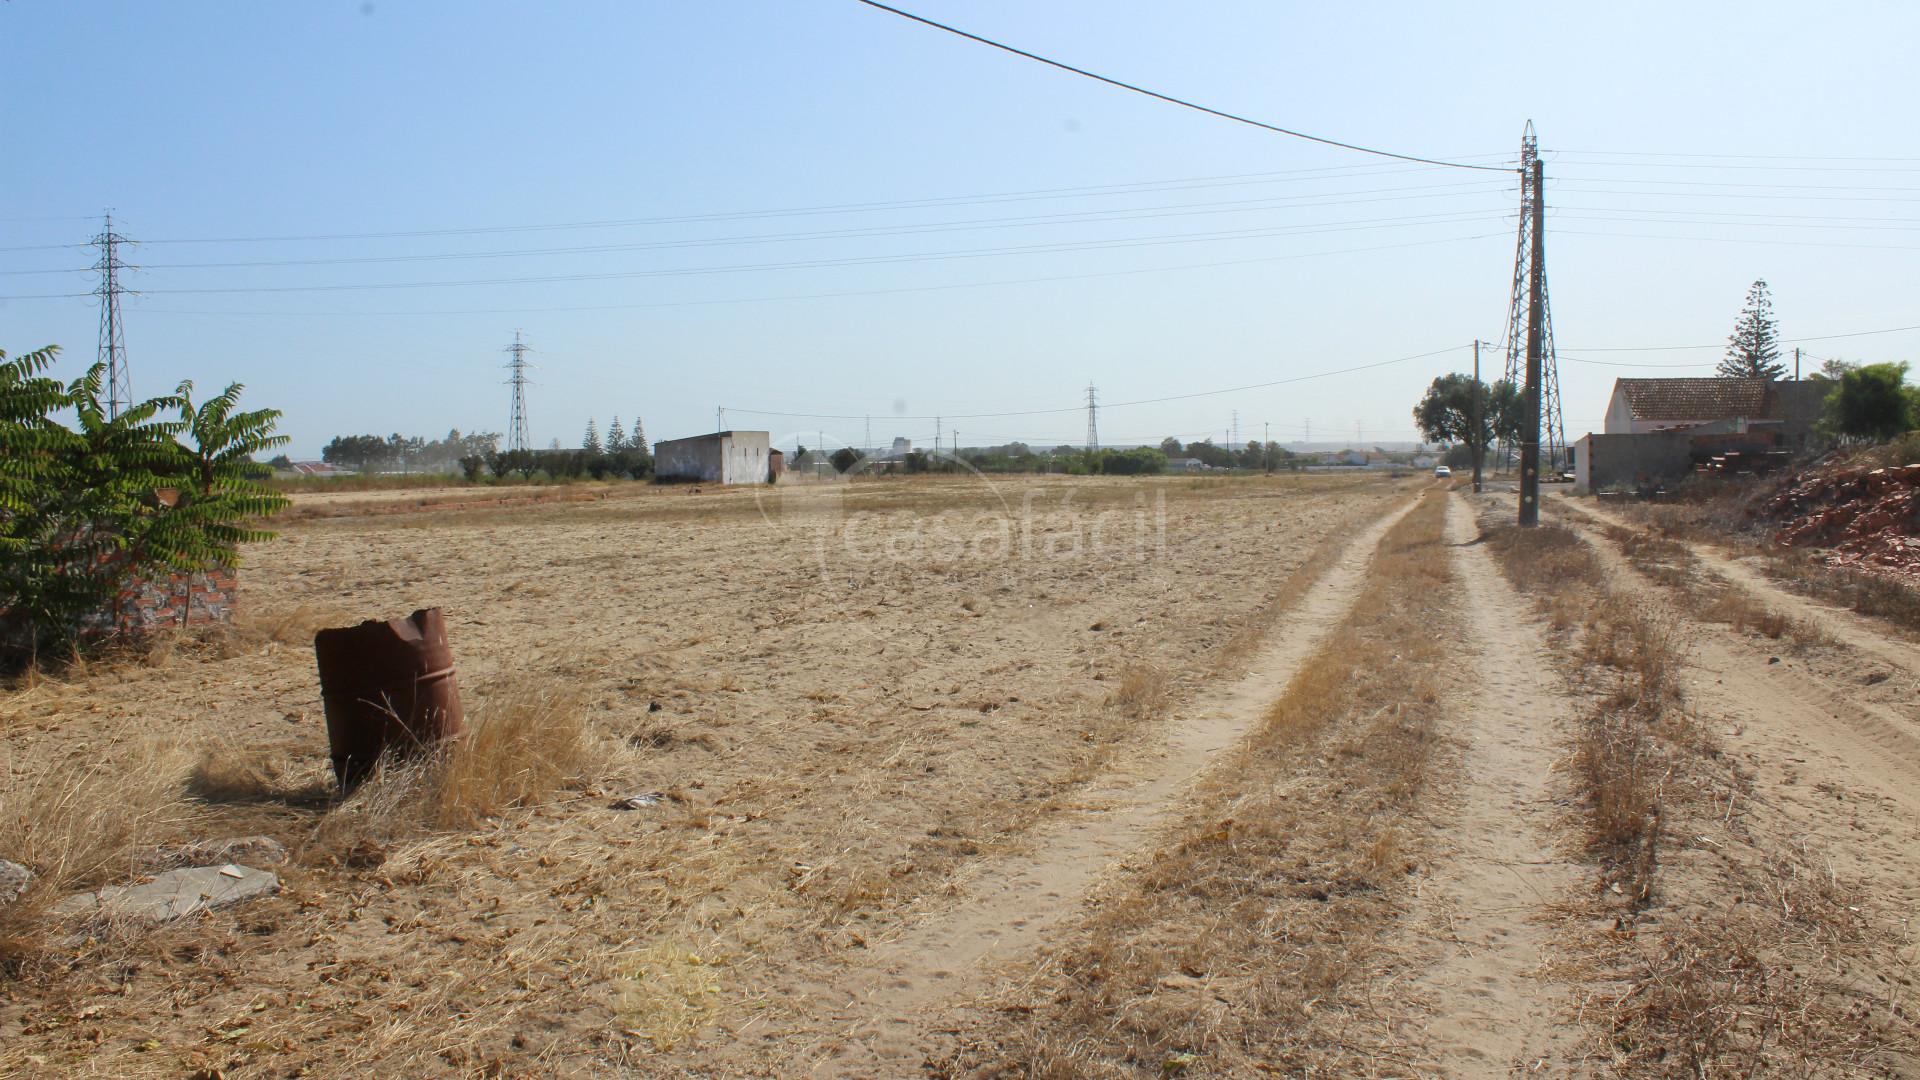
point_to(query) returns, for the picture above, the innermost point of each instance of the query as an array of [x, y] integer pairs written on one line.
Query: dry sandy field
[[1030, 777], [848, 697]]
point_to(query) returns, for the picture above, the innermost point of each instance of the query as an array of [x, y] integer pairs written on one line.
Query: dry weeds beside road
[[1049, 777]]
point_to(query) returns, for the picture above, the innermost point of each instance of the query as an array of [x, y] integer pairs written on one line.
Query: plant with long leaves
[[86, 510]]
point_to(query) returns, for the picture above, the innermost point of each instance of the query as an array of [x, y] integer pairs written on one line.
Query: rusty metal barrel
[[388, 687]]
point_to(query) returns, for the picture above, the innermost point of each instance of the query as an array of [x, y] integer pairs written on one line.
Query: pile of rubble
[[1863, 515]]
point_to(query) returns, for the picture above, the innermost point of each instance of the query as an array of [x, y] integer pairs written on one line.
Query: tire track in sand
[[1859, 632], [1482, 928], [1843, 771], [880, 1010], [1879, 745]]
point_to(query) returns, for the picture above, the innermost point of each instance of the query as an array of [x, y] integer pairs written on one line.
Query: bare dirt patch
[[1252, 937], [844, 699], [1719, 941]]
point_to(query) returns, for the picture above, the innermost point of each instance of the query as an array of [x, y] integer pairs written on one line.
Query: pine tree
[[616, 436], [1753, 350], [591, 442], [639, 439]]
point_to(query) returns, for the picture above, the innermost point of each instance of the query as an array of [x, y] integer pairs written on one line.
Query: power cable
[[1739, 157], [1722, 344], [1112, 404], [1067, 247], [1735, 240], [1171, 100], [1595, 213], [856, 292], [1146, 213], [1285, 176]]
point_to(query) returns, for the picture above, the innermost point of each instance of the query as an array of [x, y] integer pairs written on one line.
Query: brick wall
[[162, 601], [173, 602], [202, 598]]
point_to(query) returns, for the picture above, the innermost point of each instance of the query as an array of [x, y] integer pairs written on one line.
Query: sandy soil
[[1486, 925], [1831, 731], [851, 697], [910, 737], [886, 1006]]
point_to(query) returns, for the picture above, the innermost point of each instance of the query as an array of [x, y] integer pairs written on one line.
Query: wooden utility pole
[[1536, 316], [1796, 364], [1478, 445]]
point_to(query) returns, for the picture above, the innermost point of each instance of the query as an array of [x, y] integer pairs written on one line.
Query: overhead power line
[[1116, 404], [1171, 100], [1216, 207], [1722, 344], [1043, 279], [1067, 247], [1283, 176]]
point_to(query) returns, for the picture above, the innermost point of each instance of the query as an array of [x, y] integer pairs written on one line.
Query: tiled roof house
[[1643, 405]]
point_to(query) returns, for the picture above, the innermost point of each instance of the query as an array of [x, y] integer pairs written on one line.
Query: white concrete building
[[724, 457]]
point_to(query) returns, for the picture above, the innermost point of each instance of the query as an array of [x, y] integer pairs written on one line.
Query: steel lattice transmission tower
[[1530, 260], [517, 378], [1093, 421], [113, 329]]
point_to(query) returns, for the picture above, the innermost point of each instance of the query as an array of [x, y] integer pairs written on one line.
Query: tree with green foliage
[[1139, 461], [1872, 403], [164, 485], [1446, 413], [844, 459], [1833, 368], [1212, 456], [1753, 349], [616, 436], [1171, 447]]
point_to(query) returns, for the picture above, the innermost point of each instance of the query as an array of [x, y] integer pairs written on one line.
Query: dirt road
[[1830, 727], [881, 1009], [1484, 930]]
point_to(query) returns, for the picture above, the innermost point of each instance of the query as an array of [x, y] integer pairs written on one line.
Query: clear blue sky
[[202, 123]]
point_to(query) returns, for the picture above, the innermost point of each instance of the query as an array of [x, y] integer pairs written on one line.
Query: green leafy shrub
[[165, 485]]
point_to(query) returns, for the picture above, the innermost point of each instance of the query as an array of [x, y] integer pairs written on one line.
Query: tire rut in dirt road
[[1855, 631], [1878, 744], [1845, 772], [1482, 927], [879, 1012]]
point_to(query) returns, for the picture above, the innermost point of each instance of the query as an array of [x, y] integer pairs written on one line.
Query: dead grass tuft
[[82, 823], [1144, 692], [1755, 964], [521, 745]]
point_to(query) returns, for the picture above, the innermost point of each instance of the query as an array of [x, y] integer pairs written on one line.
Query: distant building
[[1186, 464], [316, 468], [901, 447], [724, 457], [1661, 429], [1639, 406]]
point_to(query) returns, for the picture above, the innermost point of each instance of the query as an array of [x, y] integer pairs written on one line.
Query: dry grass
[[1243, 944], [1670, 562], [1144, 692], [847, 782], [1721, 522], [1631, 656], [81, 824], [521, 745], [1881, 596], [1745, 962]]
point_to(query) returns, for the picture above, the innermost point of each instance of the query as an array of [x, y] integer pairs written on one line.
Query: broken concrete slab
[[174, 894], [14, 880]]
